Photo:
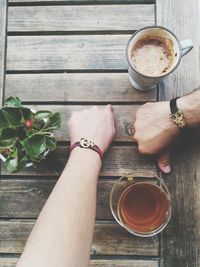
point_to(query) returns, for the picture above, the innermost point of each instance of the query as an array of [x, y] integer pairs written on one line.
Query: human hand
[[155, 132], [95, 124]]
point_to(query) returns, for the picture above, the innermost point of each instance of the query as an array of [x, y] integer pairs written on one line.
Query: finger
[[164, 162], [94, 108], [109, 107], [109, 111]]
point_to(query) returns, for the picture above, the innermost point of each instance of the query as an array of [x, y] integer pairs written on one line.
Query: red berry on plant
[[28, 124]]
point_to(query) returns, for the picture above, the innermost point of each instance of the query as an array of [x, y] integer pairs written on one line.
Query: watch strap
[[173, 105]]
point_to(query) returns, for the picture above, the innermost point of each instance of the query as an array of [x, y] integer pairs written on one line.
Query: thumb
[[164, 162]]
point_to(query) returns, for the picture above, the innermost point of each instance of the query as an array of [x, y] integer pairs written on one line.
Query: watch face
[[179, 119]]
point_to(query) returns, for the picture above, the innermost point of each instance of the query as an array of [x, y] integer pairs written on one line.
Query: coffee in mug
[[153, 55]]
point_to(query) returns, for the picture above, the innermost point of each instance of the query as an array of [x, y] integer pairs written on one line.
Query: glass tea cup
[[141, 204]]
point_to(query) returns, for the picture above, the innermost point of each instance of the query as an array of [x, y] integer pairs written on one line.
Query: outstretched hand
[[95, 124], [155, 132]]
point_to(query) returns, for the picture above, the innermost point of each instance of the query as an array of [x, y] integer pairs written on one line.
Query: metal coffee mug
[[180, 48]]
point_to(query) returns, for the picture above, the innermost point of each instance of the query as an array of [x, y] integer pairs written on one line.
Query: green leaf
[[16, 162], [7, 136], [34, 146], [13, 102], [53, 122], [42, 114], [51, 143], [37, 124], [22, 163], [13, 116], [11, 164], [26, 113], [3, 121], [30, 133]]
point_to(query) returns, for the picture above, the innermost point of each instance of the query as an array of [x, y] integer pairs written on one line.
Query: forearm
[[190, 105], [63, 232]]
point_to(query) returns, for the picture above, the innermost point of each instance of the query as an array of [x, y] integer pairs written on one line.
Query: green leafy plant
[[26, 137]]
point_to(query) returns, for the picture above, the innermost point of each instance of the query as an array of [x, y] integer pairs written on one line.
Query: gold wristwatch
[[177, 114]]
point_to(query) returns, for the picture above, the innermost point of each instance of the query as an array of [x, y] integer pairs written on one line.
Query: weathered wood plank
[[80, 18], [108, 239], [8, 261], [185, 24], [180, 243], [11, 262], [124, 120], [83, 52], [3, 15], [124, 263], [25, 198], [118, 160], [124, 116], [86, 1], [75, 87]]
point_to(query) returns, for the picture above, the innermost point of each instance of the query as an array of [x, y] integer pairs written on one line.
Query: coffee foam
[[153, 55]]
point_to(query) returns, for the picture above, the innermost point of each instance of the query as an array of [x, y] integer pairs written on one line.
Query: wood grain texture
[[118, 160], [68, 18], [75, 87], [180, 243], [83, 52], [3, 16], [183, 19], [124, 119], [124, 263], [109, 239], [86, 1], [11, 262], [25, 198]]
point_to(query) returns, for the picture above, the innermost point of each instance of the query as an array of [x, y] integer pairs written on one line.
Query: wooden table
[[65, 55]]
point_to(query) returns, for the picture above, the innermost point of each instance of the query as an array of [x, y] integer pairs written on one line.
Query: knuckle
[[95, 107], [108, 111], [141, 149], [73, 116], [138, 113], [148, 104], [135, 124], [136, 136]]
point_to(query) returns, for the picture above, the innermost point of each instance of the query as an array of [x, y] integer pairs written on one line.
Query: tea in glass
[[143, 207]]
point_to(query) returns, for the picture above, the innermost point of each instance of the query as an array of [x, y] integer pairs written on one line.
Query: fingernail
[[167, 169], [109, 106]]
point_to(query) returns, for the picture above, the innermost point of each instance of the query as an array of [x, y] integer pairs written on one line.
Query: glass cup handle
[[186, 46]]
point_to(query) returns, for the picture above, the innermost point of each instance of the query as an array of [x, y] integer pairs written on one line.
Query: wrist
[[190, 108], [170, 125], [86, 155]]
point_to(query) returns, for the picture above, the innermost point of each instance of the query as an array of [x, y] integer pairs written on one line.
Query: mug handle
[[186, 46]]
